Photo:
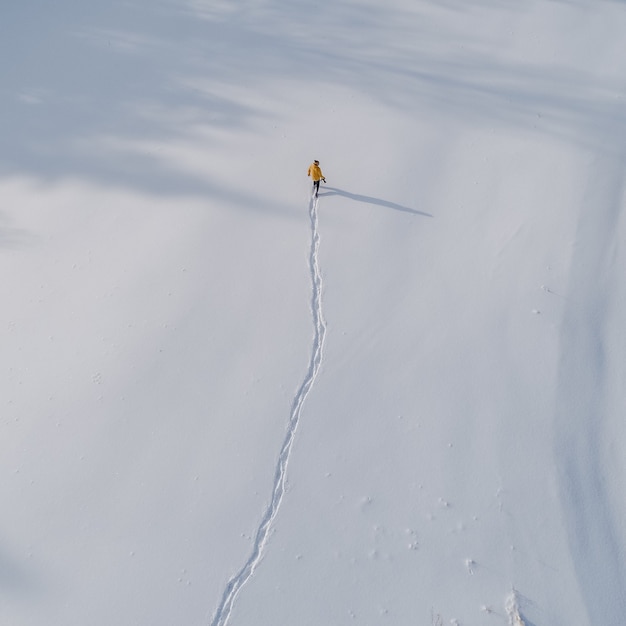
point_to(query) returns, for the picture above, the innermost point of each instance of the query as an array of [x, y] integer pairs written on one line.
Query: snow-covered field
[[224, 404]]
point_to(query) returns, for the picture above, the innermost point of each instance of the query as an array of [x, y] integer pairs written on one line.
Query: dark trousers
[[316, 187]]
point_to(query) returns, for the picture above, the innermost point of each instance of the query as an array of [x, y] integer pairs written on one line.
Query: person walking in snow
[[316, 174]]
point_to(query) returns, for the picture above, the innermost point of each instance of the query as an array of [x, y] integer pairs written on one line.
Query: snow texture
[[225, 404]]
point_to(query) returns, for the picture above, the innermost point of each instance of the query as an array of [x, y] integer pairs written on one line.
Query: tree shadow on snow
[[100, 93], [333, 191], [94, 91]]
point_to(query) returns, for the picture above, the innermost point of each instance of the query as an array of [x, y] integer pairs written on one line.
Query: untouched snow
[[224, 404]]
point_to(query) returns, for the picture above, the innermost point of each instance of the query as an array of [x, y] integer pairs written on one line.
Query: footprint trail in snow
[[237, 582]]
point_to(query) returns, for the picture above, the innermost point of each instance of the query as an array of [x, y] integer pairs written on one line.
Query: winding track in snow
[[237, 582]]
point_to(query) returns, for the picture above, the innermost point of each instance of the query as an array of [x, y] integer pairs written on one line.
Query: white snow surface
[[224, 404]]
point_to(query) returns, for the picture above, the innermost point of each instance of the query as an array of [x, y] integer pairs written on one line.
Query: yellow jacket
[[315, 172]]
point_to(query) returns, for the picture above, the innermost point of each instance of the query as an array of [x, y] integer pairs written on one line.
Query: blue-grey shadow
[[150, 74], [524, 603], [526, 621], [333, 191], [15, 579], [13, 238]]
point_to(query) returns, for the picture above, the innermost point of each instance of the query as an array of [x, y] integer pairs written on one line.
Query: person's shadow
[[333, 191]]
